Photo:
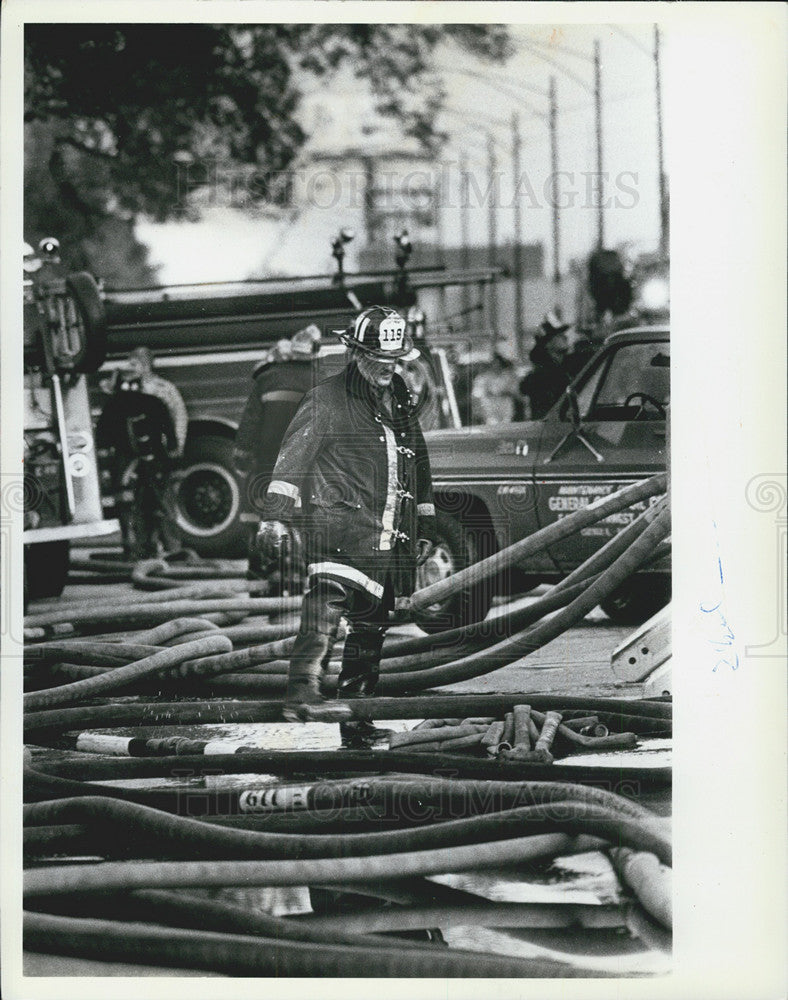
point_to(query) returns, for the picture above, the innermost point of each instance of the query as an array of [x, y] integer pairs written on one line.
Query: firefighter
[[587, 343], [550, 374], [354, 465], [141, 368], [495, 390], [143, 424], [280, 382]]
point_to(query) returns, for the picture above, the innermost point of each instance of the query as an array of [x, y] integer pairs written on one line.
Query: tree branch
[[69, 140]]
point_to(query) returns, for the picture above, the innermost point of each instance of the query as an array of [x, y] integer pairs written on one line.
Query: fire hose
[[524, 643], [240, 955], [156, 613], [459, 664], [116, 679], [413, 797], [516, 620], [650, 880], [236, 661], [480, 914], [412, 850], [39, 785], [191, 911], [115, 875], [177, 836], [494, 655], [555, 532], [413, 707]]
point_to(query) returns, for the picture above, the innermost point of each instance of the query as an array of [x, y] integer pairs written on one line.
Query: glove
[[272, 539], [424, 549]]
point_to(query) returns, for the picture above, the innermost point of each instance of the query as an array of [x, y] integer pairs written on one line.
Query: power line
[[506, 90], [465, 113], [517, 82], [631, 38], [568, 49], [500, 78], [554, 62]]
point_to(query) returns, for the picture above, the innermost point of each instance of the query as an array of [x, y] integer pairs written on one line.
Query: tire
[[46, 569], [207, 499], [456, 547], [637, 600], [84, 290]]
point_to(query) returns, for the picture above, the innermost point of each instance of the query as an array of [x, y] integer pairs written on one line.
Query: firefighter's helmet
[[380, 332]]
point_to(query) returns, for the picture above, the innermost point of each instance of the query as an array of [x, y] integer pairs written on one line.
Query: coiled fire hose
[[570, 587], [242, 661], [409, 841]]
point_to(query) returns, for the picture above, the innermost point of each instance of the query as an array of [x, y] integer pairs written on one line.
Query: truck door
[[620, 437]]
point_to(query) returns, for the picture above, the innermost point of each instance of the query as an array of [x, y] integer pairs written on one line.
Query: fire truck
[[208, 338], [64, 341]]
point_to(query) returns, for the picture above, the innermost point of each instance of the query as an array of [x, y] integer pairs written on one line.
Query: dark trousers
[[325, 603], [144, 505]]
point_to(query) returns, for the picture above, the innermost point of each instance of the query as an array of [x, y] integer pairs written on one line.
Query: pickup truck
[[497, 484]]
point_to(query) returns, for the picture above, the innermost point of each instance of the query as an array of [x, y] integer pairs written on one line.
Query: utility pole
[[439, 188], [517, 264], [600, 236], [464, 229], [553, 119], [663, 207], [492, 229]]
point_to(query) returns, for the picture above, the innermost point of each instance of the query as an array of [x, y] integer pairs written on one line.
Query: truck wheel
[[456, 547], [46, 569], [84, 290], [207, 499], [637, 600]]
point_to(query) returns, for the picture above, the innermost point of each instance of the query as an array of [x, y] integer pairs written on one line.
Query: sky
[[481, 100]]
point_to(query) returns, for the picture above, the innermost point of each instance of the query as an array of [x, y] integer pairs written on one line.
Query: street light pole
[[464, 227], [663, 207], [600, 239], [554, 185], [517, 263], [492, 229]]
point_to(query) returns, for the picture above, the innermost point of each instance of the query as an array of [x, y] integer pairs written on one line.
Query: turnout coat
[[357, 482], [278, 389]]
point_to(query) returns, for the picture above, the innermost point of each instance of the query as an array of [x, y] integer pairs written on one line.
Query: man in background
[[143, 426], [550, 374], [495, 394]]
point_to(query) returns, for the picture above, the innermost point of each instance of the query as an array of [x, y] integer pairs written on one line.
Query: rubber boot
[[304, 701], [321, 613], [358, 679]]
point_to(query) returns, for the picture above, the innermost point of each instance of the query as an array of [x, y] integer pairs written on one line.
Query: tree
[[110, 109]]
